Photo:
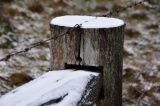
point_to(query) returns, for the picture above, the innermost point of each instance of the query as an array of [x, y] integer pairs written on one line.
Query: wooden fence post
[[101, 45]]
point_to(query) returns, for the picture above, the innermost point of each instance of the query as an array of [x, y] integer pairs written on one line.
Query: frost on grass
[[56, 88], [87, 21]]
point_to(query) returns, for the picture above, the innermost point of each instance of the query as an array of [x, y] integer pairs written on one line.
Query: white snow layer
[[87, 21], [52, 85]]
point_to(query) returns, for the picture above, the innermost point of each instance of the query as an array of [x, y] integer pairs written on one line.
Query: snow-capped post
[[101, 45]]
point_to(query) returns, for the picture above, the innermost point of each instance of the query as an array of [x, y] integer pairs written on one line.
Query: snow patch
[[87, 21]]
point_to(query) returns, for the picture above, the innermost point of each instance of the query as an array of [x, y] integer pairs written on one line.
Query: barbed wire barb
[[33, 45]]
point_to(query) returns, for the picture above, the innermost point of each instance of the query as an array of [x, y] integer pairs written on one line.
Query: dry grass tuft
[[35, 6], [19, 79]]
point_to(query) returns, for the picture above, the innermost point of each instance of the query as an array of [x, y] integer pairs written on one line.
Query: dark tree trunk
[[99, 47]]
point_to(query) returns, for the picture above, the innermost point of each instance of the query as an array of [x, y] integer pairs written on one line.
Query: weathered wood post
[[101, 45]]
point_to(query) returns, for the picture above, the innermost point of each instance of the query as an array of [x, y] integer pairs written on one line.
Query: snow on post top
[[87, 21]]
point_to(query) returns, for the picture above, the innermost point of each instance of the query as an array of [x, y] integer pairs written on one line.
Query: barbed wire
[[33, 45], [117, 11], [7, 57]]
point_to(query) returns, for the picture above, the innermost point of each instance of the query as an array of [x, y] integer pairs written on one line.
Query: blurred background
[[23, 22]]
